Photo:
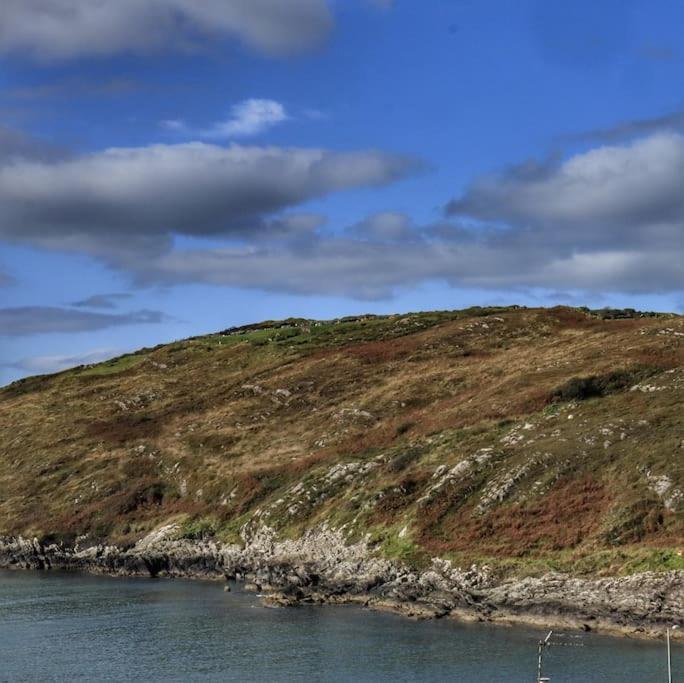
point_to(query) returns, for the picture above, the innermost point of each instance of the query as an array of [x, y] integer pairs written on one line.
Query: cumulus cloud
[[66, 29], [248, 118], [386, 226], [606, 197], [27, 320], [16, 145], [611, 219], [57, 363], [340, 267], [607, 220], [373, 270], [132, 200], [292, 228]]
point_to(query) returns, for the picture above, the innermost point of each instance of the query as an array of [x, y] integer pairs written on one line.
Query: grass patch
[[404, 550], [199, 528], [401, 549]]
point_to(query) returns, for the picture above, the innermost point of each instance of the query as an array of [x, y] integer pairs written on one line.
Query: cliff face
[[523, 440]]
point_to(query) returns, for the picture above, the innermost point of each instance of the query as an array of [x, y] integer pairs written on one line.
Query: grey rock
[[320, 567]]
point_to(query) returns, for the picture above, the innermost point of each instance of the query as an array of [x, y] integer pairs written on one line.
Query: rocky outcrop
[[641, 604], [155, 555], [320, 568]]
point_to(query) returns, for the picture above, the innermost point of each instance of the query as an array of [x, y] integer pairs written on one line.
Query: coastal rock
[[320, 568]]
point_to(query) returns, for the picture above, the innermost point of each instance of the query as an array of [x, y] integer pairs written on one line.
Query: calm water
[[57, 627]]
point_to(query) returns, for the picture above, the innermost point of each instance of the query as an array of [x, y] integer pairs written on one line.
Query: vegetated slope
[[526, 438]]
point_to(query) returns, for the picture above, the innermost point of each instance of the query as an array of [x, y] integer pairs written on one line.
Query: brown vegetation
[[585, 457]]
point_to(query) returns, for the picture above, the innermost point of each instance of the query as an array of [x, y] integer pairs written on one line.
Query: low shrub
[[404, 459], [596, 386]]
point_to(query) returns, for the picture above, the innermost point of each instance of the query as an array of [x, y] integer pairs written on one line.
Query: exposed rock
[[320, 568], [662, 486]]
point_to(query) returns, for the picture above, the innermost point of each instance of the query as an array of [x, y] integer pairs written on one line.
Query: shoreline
[[320, 569], [499, 617]]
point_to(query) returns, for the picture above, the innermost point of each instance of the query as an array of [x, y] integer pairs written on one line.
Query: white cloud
[[131, 200], [14, 145], [606, 196], [608, 220], [376, 270], [386, 226], [248, 118], [66, 29]]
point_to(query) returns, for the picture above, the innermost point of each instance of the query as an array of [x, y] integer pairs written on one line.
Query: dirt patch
[[383, 351], [124, 428]]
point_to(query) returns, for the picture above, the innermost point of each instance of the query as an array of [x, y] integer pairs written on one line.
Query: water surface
[[65, 627]]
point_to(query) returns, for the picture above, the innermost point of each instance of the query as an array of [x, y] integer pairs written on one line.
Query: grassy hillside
[[526, 438]]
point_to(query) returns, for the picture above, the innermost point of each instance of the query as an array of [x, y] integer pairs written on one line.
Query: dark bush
[[595, 386], [403, 460], [405, 427], [143, 494]]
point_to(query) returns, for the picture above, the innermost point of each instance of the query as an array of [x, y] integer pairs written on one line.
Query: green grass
[[623, 561], [402, 550], [199, 528]]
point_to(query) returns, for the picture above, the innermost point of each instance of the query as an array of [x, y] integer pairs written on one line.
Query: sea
[[72, 627]]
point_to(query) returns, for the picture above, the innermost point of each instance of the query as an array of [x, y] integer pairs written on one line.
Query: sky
[[173, 167]]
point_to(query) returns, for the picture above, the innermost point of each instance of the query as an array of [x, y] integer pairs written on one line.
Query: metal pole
[[542, 645], [539, 661], [669, 653]]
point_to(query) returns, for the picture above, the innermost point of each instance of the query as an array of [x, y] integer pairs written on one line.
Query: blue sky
[[261, 159]]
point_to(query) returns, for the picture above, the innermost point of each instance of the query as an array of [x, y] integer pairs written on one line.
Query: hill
[[525, 441]]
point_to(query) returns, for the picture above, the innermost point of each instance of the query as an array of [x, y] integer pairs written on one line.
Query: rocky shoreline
[[320, 568]]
